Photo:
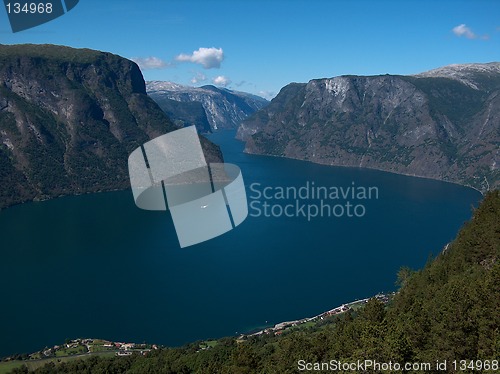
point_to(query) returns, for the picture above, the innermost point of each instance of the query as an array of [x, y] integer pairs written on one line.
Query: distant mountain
[[69, 119], [223, 108], [442, 124], [184, 114], [477, 76]]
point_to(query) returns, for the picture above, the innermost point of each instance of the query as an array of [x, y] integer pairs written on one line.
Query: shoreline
[[278, 328], [47, 198], [373, 168], [126, 348]]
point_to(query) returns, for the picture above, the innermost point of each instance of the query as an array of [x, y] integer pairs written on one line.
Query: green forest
[[449, 310]]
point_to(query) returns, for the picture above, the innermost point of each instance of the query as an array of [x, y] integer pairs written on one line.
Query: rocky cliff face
[[184, 113], [443, 124], [69, 119], [224, 109]]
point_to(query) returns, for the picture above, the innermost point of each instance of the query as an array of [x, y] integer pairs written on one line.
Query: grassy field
[[101, 348], [209, 343], [71, 351], [308, 324], [6, 367]]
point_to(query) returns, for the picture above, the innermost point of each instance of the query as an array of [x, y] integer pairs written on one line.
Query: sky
[[260, 46]]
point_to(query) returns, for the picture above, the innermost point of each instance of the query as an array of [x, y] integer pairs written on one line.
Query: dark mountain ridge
[[69, 119], [443, 124], [224, 108]]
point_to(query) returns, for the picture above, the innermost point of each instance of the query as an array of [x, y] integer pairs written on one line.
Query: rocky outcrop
[[443, 124], [69, 119], [224, 109]]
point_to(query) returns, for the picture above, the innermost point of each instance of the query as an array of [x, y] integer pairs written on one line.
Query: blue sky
[[260, 46]]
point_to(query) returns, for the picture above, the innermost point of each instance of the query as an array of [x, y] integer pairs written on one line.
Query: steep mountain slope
[[224, 109], [185, 113], [69, 119], [442, 124]]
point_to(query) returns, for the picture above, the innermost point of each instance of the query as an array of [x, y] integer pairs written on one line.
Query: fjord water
[[97, 266]]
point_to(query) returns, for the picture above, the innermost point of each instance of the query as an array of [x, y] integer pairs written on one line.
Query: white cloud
[[151, 62], [221, 80], [207, 57], [199, 77], [464, 30]]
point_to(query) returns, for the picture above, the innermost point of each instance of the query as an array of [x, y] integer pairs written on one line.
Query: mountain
[[184, 113], [223, 108], [476, 76], [442, 124], [69, 119]]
